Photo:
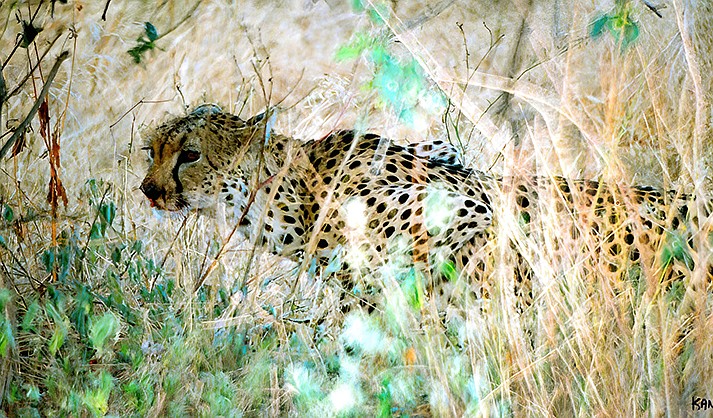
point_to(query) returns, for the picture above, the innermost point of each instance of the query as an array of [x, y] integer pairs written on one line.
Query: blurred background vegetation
[[99, 312]]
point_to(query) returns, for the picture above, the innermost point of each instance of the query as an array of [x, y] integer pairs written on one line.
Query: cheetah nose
[[150, 190]]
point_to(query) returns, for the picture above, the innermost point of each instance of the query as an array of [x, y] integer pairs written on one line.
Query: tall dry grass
[[100, 310]]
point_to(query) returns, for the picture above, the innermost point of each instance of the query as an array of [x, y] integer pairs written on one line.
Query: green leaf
[[137, 246], [30, 315], [347, 52], [448, 270], [96, 231], [97, 399], [7, 338], [312, 271], [116, 255], [139, 50], [631, 33], [385, 400], [335, 261], [103, 329], [676, 248], [48, 259], [5, 298], [108, 212], [33, 393], [8, 214], [412, 286], [151, 31], [358, 6], [58, 336], [598, 25], [80, 316]]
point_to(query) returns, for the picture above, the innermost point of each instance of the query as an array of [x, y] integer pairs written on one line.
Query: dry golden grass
[[575, 106]]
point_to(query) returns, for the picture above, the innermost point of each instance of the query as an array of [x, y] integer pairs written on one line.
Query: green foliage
[[400, 83], [412, 286], [676, 248], [28, 320], [7, 335], [140, 394], [103, 329], [619, 24], [7, 213], [144, 44], [60, 327], [96, 399], [83, 307], [448, 270], [385, 400], [107, 213]]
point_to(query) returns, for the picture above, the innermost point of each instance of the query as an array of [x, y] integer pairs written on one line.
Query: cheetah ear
[[207, 109]]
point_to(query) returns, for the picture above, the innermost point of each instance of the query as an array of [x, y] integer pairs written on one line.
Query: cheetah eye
[[189, 156]]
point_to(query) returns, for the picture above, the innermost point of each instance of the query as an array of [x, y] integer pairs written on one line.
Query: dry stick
[[180, 22], [32, 70], [241, 154], [214, 263], [165, 257], [3, 92], [106, 9], [137, 104], [20, 37], [21, 128]]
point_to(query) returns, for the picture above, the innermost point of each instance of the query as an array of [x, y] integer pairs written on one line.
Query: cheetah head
[[190, 156]]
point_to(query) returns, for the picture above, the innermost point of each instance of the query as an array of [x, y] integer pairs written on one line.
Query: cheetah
[[384, 205]]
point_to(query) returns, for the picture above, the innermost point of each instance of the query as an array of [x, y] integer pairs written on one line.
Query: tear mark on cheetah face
[[187, 154]]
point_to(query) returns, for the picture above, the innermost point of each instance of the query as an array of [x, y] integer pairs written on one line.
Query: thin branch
[[106, 8], [180, 22], [165, 257], [137, 104], [3, 92], [32, 70], [19, 36], [45, 89]]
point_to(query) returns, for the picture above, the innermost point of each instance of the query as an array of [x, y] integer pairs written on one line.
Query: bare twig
[[32, 70], [180, 22], [40, 99], [19, 38], [654, 8], [226, 241], [3, 92], [106, 8], [137, 104]]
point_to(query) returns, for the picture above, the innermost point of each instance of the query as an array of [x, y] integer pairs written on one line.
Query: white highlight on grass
[[299, 380], [343, 398], [360, 332]]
